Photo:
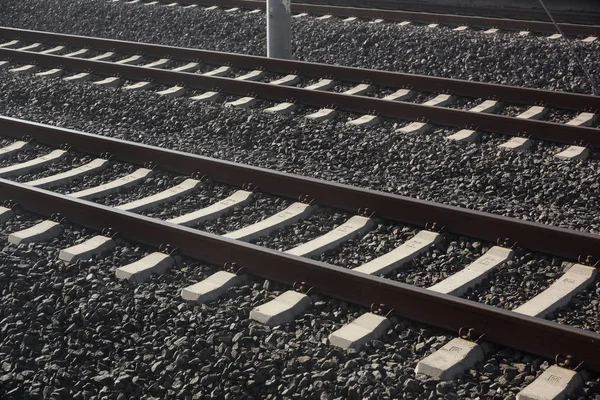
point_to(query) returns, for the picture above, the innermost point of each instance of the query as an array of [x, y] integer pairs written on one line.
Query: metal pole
[[279, 30]]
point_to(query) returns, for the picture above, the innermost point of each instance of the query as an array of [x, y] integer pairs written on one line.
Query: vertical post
[[279, 29]]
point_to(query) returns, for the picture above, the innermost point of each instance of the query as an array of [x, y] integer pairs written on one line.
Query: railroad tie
[[292, 214], [440, 100], [469, 135], [402, 254], [459, 354], [461, 28], [534, 113], [325, 114], [56, 72], [350, 229], [139, 271], [590, 39], [84, 76], [255, 11], [464, 135], [51, 73], [10, 44], [5, 214], [159, 263], [114, 186], [451, 360], [221, 71], [212, 287], [29, 47], [27, 68], [114, 81], [555, 383], [62, 178], [167, 195], [211, 96], [174, 91], [40, 232], [474, 273], [217, 284], [324, 17], [488, 106], [207, 96], [247, 102], [285, 307], [520, 143], [96, 246], [363, 329], [286, 107], [189, 67], [32, 68], [558, 295], [215, 210], [301, 15], [32, 165], [368, 120], [282, 309], [162, 63], [574, 153], [12, 148]]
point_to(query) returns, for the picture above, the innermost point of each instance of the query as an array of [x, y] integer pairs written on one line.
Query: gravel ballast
[[74, 331], [504, 58]]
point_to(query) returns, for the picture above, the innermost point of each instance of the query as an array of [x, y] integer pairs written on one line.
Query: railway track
[[439, 306], [468, 107], [522, 20]]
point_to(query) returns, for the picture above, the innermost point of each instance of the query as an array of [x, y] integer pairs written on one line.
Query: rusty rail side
[[511, 94], [484, 226], [532, 335], [414, 16], [561, 133]]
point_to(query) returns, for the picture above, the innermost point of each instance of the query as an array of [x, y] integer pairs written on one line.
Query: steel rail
[[532, 335], [483, 226], [499, 124], [415, 16], [492, 12], [510, 94]]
